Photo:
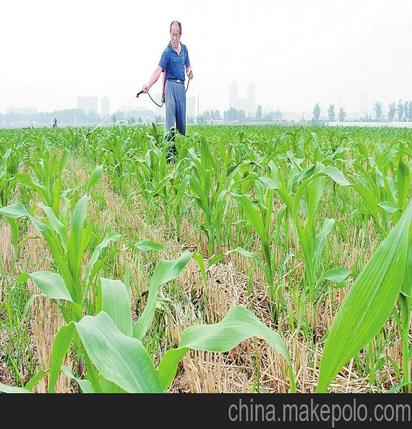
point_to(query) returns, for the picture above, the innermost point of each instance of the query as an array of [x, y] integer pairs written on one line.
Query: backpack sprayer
[[128, 102]]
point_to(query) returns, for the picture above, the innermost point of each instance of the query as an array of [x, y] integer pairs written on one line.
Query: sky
[[296, 52]]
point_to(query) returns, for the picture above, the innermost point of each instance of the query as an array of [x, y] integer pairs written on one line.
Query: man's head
[[175, 33]]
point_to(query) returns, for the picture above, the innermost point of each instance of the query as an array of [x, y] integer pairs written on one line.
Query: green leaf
[[321, 238], [369, 302], [148, 245], [406, 288], [252, 215], [238, 325], [249, 255], [31, 384], [389, 206], [336, 275], [268, 182], [120, 359], [336, 175], [95, 176], [22, 278], [164, 272], [12, 389], [51, 285], [96, 253], [85, 385], [14, 211], [60, 348], [55, 224], [198, 258], [116, 303], [76, 241], [215, 259], [403, 183]]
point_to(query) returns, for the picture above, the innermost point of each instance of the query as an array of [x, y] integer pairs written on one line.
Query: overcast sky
[[296, 52]]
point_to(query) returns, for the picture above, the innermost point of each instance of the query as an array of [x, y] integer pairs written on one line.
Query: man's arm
[[189, 72], [153, 79]]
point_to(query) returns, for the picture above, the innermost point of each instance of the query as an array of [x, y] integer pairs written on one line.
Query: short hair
[[178, 23]]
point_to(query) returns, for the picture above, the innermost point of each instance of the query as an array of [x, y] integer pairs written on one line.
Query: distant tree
[[259, 113], [316, 113], [391, 111], [405, 111], [342, 115], [410, 111], [331, 113], [378, 111], [233, 114], [272, 116], [400, 110]]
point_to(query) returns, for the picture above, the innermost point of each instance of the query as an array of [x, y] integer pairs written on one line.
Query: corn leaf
[[14, 211], [85, 385], [51, 285], [120, 359], [60, 348], [116, 303], [164, 272], [148, 245], [96, 254], [12, 389], [336, 275], [238, 325]]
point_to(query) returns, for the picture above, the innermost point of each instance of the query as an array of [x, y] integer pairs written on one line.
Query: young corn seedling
[[117, 360], [302, 201], [9, 166], [67, 239], [261, 216], [383, 190], [47, 177], [209, 196], [153, 177]]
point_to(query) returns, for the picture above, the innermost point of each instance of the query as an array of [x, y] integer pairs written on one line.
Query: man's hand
[[146, 88], [190, 74]]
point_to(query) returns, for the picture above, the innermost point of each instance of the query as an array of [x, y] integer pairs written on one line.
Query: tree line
[[400, 111]]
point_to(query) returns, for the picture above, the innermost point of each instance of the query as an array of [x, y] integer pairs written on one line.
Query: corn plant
[[68, 239], [9, 166], [386, 279], [210, 197], [152, 175], [262, 217], [384, 191], [47, 177], [302, 203], [117, 360]]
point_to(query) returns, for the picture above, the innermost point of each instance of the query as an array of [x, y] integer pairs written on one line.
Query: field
[[264, 259]]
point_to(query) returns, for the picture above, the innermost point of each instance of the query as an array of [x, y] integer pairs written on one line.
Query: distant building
[[250, 98], [248, 103], [233, 96], [87, 104], [105, 106]]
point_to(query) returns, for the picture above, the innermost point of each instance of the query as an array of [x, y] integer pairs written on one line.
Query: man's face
[[175, 36]]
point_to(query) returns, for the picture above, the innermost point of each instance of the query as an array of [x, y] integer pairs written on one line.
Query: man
[[173, 63]]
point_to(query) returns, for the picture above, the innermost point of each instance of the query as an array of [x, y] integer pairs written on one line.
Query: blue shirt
[[173, 63]]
